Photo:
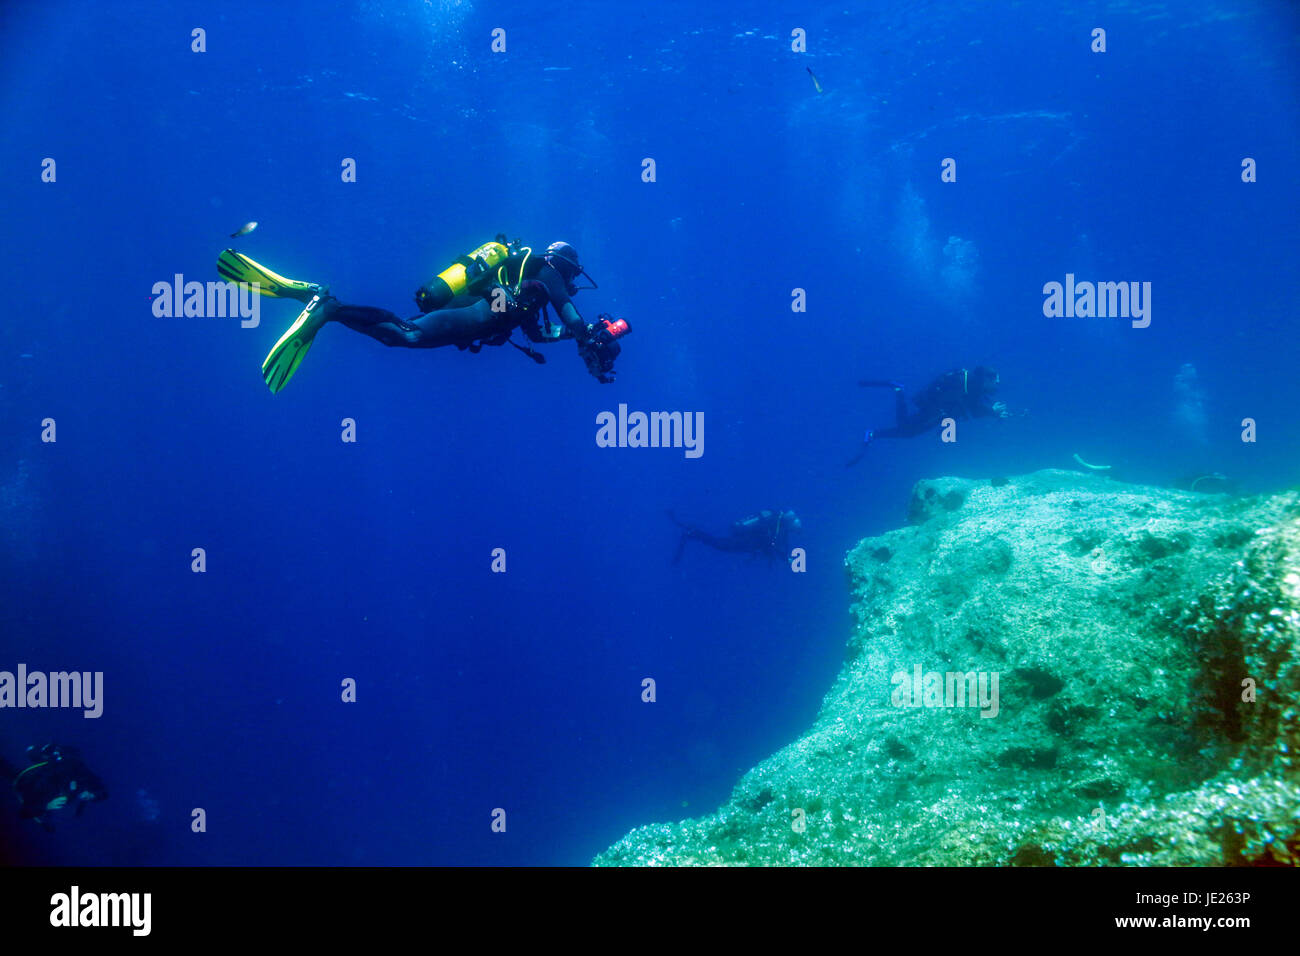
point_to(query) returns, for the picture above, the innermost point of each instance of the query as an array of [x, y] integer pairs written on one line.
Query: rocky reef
[[1053, 669]]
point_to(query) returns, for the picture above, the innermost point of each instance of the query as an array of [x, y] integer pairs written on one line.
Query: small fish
[[248, 227], [816, 85]]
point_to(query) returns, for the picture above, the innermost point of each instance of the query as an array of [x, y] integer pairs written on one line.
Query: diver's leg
[[719, 543], [900, 407], [462, 326], [379, 324], [429, 331], [689, 531], [909, 427], [681, 541], [901, 419]]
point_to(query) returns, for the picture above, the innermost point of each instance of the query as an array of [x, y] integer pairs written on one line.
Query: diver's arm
[[572, 319], [558, 294], [596, 347], [573, 322], [986, 407]]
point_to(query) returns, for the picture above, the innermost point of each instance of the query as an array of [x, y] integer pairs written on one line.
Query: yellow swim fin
[[288, 353], [236, 267]]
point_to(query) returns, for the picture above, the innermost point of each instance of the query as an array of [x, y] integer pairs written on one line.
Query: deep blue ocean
[[370, 561]]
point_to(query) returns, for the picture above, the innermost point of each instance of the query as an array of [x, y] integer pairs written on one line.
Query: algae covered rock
[[1055, 669]]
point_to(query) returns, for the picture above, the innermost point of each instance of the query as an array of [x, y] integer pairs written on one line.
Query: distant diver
[[480, 299], [816, 83], [766, 533], [959, 394], [55, 776], [1089, 466], [1212, 483]]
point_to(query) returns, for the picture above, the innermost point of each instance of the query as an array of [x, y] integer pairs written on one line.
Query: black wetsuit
[[468, 320], [56, 771], [951, 395], [767, 532]]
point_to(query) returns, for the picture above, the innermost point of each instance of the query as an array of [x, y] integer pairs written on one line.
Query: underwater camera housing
[[603, 347], [608, 329]]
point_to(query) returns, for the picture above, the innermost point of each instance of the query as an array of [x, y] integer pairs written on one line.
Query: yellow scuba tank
[[466, 274]]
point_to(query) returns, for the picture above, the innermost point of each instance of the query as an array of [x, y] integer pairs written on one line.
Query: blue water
[[371, 560]]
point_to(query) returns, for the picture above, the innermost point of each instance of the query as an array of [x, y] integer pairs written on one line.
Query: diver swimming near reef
[[959, 394], [766, 533], [480, 299], [55, 776], [1212, 483]]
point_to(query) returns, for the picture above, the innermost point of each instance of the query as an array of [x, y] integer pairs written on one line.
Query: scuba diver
[[766, 533], [480, 299], [959, 394], [56, 775], [1208, 482]]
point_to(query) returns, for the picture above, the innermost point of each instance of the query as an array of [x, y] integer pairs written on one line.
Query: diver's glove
[[1000, 409]]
